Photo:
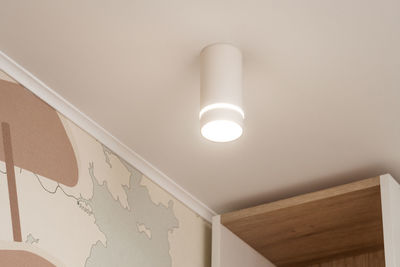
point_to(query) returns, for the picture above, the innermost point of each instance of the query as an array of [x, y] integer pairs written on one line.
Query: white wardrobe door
[[228, 250], [390, 195]]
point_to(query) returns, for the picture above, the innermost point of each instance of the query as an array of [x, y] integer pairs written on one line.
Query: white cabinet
[[228, 250], [356, 224], [390, 192]]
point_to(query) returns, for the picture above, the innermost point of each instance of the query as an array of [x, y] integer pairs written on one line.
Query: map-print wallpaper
[[67, 200]]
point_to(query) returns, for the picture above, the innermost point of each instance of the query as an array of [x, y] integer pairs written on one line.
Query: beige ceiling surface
[[321, 85]]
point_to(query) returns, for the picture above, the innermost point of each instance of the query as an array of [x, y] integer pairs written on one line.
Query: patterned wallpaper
[[67, 200]]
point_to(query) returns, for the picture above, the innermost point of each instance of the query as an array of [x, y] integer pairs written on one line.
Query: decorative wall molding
[[32, 83]]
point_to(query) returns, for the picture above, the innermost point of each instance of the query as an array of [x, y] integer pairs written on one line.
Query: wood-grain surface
[[369, 259], [314, 227]]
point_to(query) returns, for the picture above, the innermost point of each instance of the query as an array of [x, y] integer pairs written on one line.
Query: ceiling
[[321, 85]]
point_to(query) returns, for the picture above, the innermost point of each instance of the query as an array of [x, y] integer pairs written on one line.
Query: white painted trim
[[27, 79]]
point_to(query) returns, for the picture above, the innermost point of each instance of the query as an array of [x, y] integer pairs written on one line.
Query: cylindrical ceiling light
[[221, 114]]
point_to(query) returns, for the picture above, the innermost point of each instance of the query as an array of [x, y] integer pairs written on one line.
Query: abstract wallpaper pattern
[[76, 203]]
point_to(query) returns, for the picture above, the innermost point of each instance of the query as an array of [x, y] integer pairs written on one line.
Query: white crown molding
[[28, 80]]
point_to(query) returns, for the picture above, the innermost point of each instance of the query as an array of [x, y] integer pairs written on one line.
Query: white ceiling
[[321, 79]]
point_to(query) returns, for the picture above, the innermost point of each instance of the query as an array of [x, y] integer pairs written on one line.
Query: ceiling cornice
[[32, 83]]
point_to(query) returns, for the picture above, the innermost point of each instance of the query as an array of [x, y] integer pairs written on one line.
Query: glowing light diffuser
[[221, 114]]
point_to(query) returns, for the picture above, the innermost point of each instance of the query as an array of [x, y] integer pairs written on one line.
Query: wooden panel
[[369, 259], [315, 226]]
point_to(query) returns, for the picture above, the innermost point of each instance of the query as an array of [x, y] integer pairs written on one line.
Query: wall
[[112, 216]]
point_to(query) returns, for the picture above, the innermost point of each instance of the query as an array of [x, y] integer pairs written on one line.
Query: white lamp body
[[221, 114]]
